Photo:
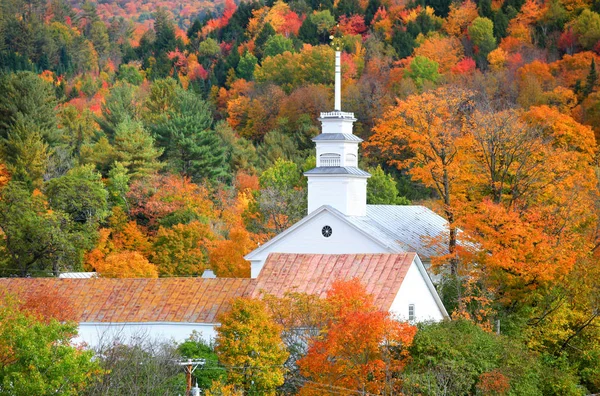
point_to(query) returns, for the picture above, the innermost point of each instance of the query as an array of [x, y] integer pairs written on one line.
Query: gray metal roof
[[345, 137], [337, 170], [409, 228], [406, 228]]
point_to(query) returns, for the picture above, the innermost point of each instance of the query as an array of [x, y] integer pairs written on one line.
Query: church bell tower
[[337, 181]]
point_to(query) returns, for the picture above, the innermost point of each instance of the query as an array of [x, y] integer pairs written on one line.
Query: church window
[[326, 231], [411, 311], [330, 159], [351, 159]]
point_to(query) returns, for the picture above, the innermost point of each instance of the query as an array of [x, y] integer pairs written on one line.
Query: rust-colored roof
[[381, 274], [189, 300], [201, 300]]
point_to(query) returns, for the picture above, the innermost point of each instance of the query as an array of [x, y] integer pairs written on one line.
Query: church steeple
[[338, 82], [337, 181]]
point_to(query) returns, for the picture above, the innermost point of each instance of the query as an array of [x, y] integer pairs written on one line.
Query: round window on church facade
[[326, 231]]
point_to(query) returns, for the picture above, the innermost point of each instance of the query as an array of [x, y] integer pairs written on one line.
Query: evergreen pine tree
[[485, 8], [135, 149], [500, 24], [191, 147], [261, 39], [348, 8], [441, 7], [26, 96], [164, 42], [308, 32], [403, 43], [590, 80], [371, 10]]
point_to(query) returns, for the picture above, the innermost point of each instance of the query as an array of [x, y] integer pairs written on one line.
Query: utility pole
[[190, 366]]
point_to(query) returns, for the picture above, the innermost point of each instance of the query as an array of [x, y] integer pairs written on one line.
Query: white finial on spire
[[338, 82]]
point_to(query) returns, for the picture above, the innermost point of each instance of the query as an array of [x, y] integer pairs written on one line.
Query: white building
[[341, 238], [171, 308]]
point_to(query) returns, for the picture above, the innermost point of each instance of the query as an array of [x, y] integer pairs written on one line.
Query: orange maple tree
[[361, 349], [427, 134]]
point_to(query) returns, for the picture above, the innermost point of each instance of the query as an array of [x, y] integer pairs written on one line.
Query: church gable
[[322, 232], [417, 299]]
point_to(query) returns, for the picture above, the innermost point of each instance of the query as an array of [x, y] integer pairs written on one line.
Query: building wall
[[96, 334], [346, 194], [336, 125], [308, 239], [414, 290]]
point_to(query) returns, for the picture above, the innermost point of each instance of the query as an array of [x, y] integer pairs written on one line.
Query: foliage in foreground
[[37, 356], [249, 345], [459, 358]]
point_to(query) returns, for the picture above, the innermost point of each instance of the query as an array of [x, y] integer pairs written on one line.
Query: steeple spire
[[338, 82]]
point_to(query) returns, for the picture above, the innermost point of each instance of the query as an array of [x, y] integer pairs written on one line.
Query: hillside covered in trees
[[165, 138]]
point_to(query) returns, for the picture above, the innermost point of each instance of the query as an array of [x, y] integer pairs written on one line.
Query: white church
[[385, 246]]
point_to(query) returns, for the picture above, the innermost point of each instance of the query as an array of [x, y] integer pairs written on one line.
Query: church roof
[[189, 300], [345, 137], [398, 228], [380, 274], [415, 228], [337, 170], [202, 300]]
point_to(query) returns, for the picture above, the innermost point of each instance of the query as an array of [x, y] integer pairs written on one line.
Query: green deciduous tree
[[130, 74], [209, 49], [181, 249], [481, 33], [458, 357], [587, 28], [281, 200], [423, 69], [382, 190], [246, 66], [196, 347], [80, 194], [278, 44], [37, 357], [37, 240], [291, 70]]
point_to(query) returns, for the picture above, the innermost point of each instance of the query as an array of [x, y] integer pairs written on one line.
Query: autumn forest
[[163, 138]]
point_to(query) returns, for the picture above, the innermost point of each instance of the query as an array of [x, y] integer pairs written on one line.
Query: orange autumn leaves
[[519, 184], [353, 347], [179, 229], [360, 346]]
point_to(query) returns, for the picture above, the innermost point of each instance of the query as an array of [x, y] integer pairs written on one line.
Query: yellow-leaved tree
[[249, 345]]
